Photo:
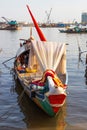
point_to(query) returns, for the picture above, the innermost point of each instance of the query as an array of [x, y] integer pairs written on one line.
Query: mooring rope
[[8, 60]]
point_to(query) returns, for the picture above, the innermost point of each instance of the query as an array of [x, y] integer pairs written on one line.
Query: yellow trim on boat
[[31, 70]]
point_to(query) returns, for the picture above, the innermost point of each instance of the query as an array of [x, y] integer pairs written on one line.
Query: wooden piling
[[86, 59]]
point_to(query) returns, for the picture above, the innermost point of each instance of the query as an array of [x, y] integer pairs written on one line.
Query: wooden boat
[[10, 25], [74, 29], [40, 66]]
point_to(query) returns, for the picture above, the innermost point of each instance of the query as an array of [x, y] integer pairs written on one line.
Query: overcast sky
[[62, 10]]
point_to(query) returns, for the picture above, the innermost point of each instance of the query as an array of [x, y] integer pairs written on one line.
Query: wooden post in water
[[86, 67], [86, 59]]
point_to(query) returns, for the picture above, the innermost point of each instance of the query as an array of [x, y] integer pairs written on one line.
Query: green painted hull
[[45, 106]]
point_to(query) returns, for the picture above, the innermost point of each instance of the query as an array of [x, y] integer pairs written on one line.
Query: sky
[[62, 10]]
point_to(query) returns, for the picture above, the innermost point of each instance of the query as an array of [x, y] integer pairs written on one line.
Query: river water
[[17, 111]]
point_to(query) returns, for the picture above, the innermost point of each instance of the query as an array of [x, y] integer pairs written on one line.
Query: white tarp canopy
[[50, 55]]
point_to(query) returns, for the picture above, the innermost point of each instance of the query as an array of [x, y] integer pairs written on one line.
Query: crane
[[48, 15], [11, 22]]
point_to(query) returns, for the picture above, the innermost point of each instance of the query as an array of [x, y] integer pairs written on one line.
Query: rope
[[8, 60]]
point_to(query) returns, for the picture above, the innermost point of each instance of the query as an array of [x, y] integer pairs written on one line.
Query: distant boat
[[40, 66], [74, 29], [7, 27], [10, 25]]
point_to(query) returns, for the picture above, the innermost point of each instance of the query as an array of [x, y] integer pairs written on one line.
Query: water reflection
[[35, 118]]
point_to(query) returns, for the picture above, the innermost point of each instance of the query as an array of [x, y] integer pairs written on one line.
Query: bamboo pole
[[8, 60]]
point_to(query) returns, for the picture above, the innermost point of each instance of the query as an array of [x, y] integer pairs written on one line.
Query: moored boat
[[40, 66], [74, 29], [10, 25]]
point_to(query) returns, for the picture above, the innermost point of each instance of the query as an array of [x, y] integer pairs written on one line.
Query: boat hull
[[46, 88], [51, 105], [10, 28]]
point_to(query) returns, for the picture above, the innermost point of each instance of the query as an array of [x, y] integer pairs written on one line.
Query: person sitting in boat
[[26, 59], [20, 67]]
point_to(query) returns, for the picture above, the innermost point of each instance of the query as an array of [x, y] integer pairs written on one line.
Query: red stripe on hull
[[56, 109], [57, 101]]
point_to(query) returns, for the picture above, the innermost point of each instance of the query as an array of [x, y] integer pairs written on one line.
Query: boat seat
[[24, 74]]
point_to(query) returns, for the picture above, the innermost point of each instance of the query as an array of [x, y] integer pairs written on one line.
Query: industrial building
[[84, 18]]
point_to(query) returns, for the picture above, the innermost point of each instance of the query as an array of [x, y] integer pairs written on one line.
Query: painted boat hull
[[51, 105], [10, 28], [47, 91]]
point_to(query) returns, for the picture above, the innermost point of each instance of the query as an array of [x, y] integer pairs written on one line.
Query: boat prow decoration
[[49, 73]]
